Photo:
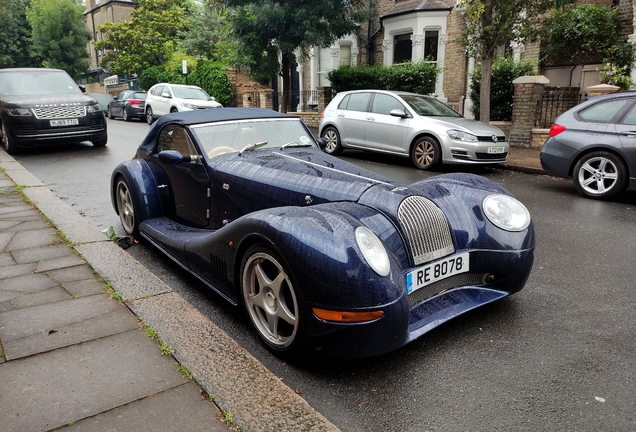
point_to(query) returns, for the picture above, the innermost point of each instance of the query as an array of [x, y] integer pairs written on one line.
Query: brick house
[[416, 29]]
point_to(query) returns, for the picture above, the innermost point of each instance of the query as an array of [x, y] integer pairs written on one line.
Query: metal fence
[[552, 104]]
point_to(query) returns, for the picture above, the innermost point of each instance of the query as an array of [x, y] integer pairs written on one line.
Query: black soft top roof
[[211, 115]]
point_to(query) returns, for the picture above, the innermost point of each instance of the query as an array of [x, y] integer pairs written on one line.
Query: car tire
[[125, 115], [173, 110], [426, 153], [126, 207], [600, 175], [100, 142], [109, 114], [334, 146], [271, 302], [149, 118], [7, 142]]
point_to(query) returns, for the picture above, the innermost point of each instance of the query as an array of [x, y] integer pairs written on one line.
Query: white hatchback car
[[409, 125], [165, 98]]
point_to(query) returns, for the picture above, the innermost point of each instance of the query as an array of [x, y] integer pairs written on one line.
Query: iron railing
[[553, 104]]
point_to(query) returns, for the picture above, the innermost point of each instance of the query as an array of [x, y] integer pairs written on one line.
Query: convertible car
[[325, 257]]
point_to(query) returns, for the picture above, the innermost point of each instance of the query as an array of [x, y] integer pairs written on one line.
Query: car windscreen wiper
[[252, 146], [295, 144]]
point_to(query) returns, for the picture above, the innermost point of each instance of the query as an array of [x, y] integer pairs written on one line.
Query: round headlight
[[373, 251], [506, 212]]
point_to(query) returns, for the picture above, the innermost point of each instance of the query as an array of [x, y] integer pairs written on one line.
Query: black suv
[[45, 106]]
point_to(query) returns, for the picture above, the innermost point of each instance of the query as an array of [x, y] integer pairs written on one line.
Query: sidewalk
[[73, 356]]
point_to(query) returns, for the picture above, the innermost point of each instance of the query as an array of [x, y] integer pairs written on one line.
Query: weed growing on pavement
[[112, 293], [226, 416], [165, 349], [185, 372]]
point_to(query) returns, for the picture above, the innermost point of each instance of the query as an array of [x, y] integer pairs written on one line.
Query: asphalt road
[[559, 355]]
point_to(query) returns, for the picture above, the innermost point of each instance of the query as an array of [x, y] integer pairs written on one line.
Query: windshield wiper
[[252, 146], [295, 144]]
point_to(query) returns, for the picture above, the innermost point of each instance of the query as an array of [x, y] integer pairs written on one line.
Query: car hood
[[32, 101], [200, 103], [467, 125], [298, 177]]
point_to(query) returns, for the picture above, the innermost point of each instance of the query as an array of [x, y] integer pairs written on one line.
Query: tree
[[15, 33], [148, 39], [269, 28], [587, 33], [210, 34], [493, 23], [59, 34]]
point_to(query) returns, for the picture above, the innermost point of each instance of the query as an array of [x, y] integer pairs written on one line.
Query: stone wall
[[528, 91], [539, 136]]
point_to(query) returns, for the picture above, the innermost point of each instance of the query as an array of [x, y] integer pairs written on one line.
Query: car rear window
[[603, 111], [139, 95], [356, 102]]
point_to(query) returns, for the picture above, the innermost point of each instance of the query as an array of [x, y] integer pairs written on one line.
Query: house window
[[431, 38], [345, 55], [402, 48]]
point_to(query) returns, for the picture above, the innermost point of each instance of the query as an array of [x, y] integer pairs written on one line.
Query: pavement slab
[[58, 263], [43, 253], [17, 270], [26, 283], [69, 274], [80, 381], [84, 287], [183, 408], [51, 295], [32, 239]]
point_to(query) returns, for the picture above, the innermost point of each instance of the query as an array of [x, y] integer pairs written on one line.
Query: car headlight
[[93, 108], [462, 136], [373, 251], [19, 112], [187, 105], [506, 212]]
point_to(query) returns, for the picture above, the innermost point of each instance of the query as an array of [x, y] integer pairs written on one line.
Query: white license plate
[[495, 150], [65, 122], [435, 271]]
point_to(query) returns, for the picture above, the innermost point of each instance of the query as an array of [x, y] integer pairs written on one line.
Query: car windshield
[[190, 93], [236, 135], [428, 106], [38, 82]]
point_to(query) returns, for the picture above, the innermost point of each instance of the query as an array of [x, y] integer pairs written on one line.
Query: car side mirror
[[165, 95], [82, 88], [173, 157], [398, 113], [322, 143]]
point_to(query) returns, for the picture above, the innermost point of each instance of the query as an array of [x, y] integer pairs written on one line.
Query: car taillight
[[135, 102], [556, 129], [322, 114]]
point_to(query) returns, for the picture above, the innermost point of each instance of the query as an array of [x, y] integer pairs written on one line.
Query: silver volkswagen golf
[[409, 125]]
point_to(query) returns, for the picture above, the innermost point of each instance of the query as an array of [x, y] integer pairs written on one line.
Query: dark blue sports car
[[324, 256]]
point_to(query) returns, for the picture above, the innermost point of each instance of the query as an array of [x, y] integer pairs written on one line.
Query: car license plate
[[65, 122], [495, 150], [435, 271]]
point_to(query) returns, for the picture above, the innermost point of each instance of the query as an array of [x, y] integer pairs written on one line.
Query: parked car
[[409, 125], [167, 98], [45, 106], [594, 143], [103, 99], [128, 104], [325, 257]]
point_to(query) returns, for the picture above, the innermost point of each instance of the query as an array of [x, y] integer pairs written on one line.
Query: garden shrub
[[502, 90]]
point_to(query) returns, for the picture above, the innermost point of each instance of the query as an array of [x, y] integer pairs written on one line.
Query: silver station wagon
[[410, 125]]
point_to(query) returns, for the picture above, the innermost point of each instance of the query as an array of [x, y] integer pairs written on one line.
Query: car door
[[626, 130], [384, 131], [184, 188], [161, 103], [120, 102], [351, 118]]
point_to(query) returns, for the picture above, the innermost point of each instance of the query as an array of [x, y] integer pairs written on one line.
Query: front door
[[384, 131], [184, 188]]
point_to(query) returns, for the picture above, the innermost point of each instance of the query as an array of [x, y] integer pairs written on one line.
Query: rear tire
[[600, 175], [109, 114], [149, 118], [100, 142], [426, 153], [334, 146], [125, 115], [7, 142], [126, 207]]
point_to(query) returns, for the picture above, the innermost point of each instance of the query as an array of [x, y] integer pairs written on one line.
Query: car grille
[[491, 155], [500, 139], [426, 229], [464, 279], [60, 112]]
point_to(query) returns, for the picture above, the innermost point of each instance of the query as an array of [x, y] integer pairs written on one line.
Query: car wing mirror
[[82, 88], [173, 157], [322, 143], [398, 113], [165, 95]]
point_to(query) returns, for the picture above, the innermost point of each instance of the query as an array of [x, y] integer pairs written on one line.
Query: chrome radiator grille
[[426, 229], [59, 112]]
